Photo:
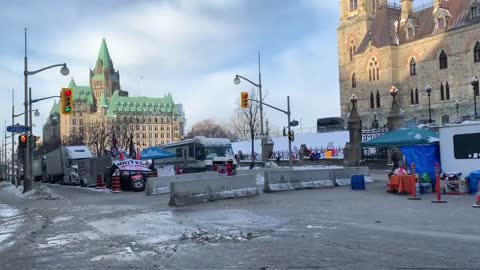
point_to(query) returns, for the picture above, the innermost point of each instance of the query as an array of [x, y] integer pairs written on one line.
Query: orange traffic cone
[[100, 185], [116, 182]]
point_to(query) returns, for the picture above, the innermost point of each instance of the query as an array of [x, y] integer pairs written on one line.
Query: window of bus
[[213, 152]]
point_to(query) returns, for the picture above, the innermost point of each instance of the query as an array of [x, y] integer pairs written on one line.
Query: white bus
[[199, 154]]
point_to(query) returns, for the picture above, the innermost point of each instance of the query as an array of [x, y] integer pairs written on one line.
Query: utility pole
[[289, 131], [30, 135], [27, 184], [13, 137]]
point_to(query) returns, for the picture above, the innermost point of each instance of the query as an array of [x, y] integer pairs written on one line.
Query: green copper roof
[[103, 101], [82, 94], [55, 108], [141, 104], [104, 55]]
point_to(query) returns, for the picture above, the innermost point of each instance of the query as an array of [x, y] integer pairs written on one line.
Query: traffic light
[[67, 101], [291, 136], [22, 141], [244, 100], [34, 141]]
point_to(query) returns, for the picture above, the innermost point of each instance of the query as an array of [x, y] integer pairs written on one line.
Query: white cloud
[[193, 49]]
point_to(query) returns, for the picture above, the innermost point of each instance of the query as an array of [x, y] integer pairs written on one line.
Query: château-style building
[[103, 113], [410, 46]]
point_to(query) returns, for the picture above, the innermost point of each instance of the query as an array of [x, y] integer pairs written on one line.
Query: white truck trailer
[[60, 165], [460, 148]]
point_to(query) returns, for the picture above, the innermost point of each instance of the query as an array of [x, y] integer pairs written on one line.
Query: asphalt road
[[310, 229]]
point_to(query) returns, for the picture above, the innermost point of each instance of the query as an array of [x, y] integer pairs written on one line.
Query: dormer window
[[475, 12], [441, 18], [411, 32], [441, 23]]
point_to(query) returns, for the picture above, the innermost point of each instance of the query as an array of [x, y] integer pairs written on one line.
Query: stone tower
[[356, 18], [104, 79]]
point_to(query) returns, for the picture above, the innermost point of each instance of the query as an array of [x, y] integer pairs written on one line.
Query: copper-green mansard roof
[[148, 105], [104, 55], [82, 94]]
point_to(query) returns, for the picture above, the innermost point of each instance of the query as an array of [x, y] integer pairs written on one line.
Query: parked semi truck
[[39, 168], [60, 164]]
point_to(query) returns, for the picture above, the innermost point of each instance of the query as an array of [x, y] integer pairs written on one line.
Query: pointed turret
[[103, 101], [72, 83], [55, 108], [104, 55]]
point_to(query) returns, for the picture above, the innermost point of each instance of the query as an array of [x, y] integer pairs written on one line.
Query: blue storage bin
[[473, 179], [358, 182]]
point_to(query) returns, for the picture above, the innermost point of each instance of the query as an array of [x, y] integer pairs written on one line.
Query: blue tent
[[419, 146], [155, 153]]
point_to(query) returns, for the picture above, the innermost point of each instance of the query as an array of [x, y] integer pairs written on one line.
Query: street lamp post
[[27, 184], [457, 104], [428, 90], [474, 84], [393, 92], [64, 71], [259, 86]]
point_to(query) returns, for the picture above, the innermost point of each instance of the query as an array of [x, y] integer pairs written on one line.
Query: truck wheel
[[83, 183], [138, 185]]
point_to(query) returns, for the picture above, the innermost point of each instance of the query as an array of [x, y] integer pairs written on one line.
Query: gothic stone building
[[102, 104], [382, 44]]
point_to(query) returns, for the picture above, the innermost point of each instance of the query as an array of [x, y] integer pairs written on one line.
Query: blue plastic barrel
[[358, 182], [473, 179]]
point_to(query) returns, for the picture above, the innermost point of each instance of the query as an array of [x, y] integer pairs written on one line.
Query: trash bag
[[425, 178]]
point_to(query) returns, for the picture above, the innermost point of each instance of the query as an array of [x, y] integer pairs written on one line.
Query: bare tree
[[209, 129], [98, 135], [76, 138]]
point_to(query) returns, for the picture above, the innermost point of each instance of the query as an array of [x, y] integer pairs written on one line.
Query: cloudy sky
[[191, 48]]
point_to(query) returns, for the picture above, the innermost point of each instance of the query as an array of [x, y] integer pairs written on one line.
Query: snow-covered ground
[[316, 140], [40, 193], [10, 221]]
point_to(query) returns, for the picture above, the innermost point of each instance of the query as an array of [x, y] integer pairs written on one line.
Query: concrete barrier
[[281, 180], [343, 176], [209, 189], [161, 185]]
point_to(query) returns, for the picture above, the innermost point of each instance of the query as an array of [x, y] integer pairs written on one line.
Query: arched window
[[416, 95], [442, 92], [372, 101], [373, 70], [413, 67], [443, 59], [378, 100], [352, 50], [412, 100], [354, 81], [447, 91], [353, 5], [476, 53]]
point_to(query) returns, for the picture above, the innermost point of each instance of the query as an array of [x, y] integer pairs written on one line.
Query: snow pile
[[42, 193], [5, 184], [203, 236], [271, 164]]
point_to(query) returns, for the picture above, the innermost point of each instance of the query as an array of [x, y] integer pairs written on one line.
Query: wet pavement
[[310, 229]]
